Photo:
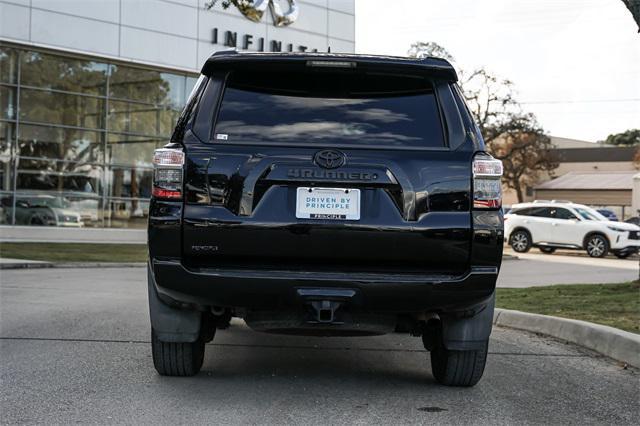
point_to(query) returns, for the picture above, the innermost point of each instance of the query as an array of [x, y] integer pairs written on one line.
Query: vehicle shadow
[[242, 354]]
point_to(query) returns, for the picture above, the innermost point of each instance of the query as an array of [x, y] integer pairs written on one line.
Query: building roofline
[[596, 154]]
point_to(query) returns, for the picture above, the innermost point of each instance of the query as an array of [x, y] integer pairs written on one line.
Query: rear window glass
[[323, 115]]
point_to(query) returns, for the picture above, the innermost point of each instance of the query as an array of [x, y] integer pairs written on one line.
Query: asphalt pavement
[[534, 269], [74, 347]]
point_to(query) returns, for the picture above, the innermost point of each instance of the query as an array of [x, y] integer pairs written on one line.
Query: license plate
[[328, 203]]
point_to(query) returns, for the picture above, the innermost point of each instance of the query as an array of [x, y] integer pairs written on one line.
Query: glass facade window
[[7, 102], [77, 137], [43, 106], [45, 71]]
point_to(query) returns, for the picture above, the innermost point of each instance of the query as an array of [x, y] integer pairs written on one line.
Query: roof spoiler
[[231, 60]]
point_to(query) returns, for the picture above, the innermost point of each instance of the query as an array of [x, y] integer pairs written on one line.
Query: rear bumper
[[374, 292]]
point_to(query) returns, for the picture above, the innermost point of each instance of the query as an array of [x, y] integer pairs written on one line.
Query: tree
[[491, 101], [525, 152], [629, 138], [509, 134]]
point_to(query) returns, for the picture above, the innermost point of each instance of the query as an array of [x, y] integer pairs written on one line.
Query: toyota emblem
[[329, 159]]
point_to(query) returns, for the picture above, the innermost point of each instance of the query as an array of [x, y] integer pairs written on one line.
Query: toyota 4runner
[[325, 195]]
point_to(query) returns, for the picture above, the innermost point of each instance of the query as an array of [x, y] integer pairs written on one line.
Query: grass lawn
[[71, 252], [615, 305]]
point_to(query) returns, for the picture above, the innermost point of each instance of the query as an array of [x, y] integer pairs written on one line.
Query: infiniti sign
[[254, 10]]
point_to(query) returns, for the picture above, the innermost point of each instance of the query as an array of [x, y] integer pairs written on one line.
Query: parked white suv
[[549, 225]]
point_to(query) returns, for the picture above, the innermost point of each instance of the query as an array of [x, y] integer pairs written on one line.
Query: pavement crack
[[62, 339], [264, 346]]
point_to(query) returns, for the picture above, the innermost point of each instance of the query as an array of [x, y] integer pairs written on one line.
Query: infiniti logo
[[254, 9], [329, 159]]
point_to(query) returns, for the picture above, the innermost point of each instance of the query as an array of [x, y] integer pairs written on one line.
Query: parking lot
[[565, 267], [75, 348]]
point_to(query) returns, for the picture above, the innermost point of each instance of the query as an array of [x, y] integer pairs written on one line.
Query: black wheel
[[458, 368], [597, 245], [547, 250], [622, 255], [36, 221], [520, 241], [177, 359]]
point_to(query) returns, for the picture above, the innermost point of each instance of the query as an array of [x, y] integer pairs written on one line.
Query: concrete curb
[[25, 265], [72, 265], [617, 344]]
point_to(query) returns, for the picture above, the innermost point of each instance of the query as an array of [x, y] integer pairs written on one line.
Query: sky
[[575, 63]]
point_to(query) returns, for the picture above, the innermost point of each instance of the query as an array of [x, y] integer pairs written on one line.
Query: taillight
[[167, 173], [487, 189]]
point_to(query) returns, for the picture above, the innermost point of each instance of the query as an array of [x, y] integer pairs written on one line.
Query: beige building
[[611, 189], [588, 173]]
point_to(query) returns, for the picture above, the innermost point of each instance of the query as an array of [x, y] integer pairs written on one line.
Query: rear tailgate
[[380, 139]]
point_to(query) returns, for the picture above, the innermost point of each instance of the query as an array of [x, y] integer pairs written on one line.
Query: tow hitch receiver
[[325, 303], [325, 310]]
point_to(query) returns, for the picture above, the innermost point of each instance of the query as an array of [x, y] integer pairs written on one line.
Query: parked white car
[[551, 225]]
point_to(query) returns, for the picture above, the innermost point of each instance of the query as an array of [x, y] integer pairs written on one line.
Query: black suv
[[322, 194]]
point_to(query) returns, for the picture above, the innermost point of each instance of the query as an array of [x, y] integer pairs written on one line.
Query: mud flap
[[171, 324], [471, 333]]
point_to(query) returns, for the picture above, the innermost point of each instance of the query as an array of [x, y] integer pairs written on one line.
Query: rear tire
[[520, 241], [597, 245], [547, 250], [177, 359], [458, 368]]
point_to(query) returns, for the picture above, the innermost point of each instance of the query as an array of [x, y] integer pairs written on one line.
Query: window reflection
[[147, 86], [6, 138], [130, 182], [6, 182], [85, 136], [6, 208], [60, 108], [60, 73], [409, 119], [37, 209], [58, 176], [8, 66], [7, 102], [130, 150], [140, 118], [60, 143], [123, 213]]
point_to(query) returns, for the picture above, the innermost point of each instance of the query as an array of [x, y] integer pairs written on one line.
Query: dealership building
[[89, 88]]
